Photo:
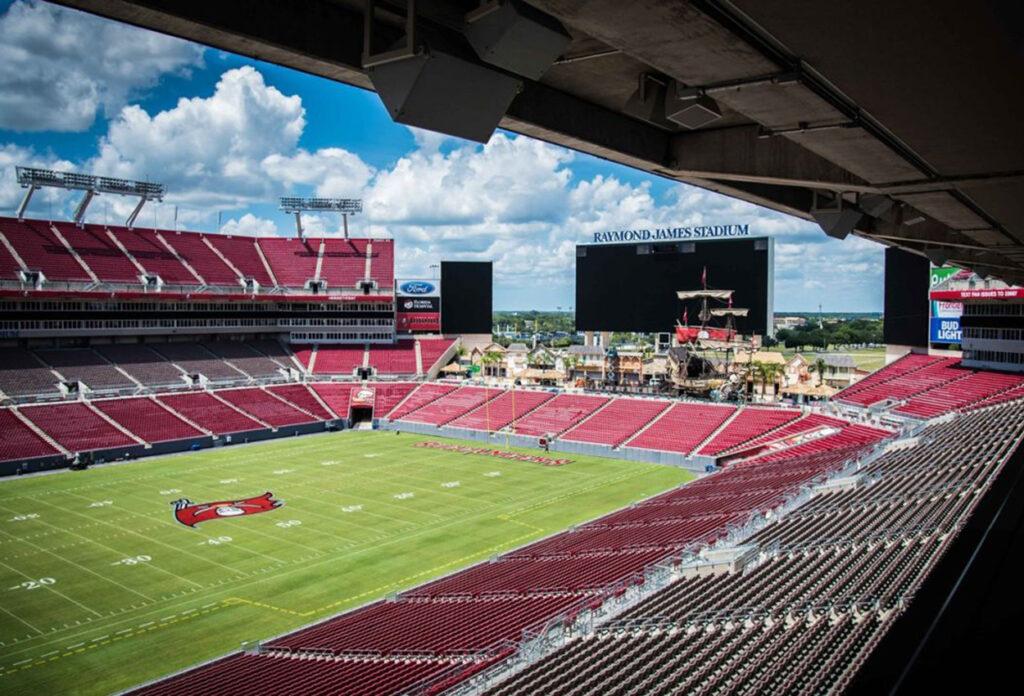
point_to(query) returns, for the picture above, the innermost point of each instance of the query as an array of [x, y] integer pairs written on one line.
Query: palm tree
[[491, 357], [569, 362], [819, 367], [769, 372], [759, 369]]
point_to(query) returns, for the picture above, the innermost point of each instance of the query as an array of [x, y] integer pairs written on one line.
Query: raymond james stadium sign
[[664, 233]]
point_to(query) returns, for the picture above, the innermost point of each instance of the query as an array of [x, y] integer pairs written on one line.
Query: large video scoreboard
[[632, 287]]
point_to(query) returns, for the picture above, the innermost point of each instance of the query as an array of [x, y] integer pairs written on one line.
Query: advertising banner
[[945, 330], [418, 306]]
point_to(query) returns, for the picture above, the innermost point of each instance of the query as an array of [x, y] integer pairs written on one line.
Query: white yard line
[[53, 590], [18, 618], [82, 567]]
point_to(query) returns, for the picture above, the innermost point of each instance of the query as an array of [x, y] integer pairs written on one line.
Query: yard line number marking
[[33, 584]]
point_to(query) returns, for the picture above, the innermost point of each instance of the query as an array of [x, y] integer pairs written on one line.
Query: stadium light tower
[[33, 179], [345, 206]]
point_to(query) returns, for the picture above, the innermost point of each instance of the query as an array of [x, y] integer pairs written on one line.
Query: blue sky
[[228, 135]]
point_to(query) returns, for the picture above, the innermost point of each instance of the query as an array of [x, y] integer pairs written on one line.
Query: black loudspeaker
[[444, 92], [689, 108], [516, 37]]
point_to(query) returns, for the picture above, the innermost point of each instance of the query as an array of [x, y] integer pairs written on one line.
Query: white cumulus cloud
[[60, 67]]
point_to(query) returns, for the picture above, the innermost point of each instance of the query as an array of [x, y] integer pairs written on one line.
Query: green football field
[[103, 589]]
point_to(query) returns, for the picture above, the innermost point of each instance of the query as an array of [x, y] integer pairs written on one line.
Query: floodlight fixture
[[32, 179], [296, 206]]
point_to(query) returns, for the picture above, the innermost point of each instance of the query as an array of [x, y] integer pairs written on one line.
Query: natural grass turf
[[106, 624]]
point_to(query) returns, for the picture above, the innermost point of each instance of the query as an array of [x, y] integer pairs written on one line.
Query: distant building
[[789, 322], [586, 364], [516, 359], [840, 369]]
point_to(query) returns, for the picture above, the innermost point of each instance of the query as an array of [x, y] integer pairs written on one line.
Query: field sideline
[[103, 589]]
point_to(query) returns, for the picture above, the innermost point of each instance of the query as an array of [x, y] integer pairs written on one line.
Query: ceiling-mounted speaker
[[516, 37], [834, 215], [689, 108], [442, 91], [647, 103]]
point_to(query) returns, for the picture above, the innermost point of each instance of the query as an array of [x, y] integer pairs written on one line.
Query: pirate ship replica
[[703, 356]]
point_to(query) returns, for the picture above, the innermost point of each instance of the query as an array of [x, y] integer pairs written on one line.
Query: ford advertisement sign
[[417, 287]]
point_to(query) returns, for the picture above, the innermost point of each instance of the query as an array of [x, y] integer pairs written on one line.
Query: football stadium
[[271, 463]]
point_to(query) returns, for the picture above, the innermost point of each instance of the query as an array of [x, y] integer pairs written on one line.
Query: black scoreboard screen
[[632, 287]]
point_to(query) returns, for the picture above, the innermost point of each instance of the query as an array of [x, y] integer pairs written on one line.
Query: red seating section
[[99, 252], [344, 263], [76, 427], [284, 676], [500, 411], [19, 441], [452, 405], [396, 359], [905, 377], [40, 249], [207, 412], [959, 393], [799, 426], [190, 261], [748, 424], [1008, 395], [242, 254], [431, 350], [437, 627], [335, 359], [615, 423], [151, 254], [388, 395], [382, 263], [336, 395], [204, 260], [264, 407], [425, 394], [300, 395], [147, 419], [683, 427], [559, 414], [293, 261]]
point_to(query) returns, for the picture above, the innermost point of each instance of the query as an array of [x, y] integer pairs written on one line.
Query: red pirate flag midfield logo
[[190, 514]]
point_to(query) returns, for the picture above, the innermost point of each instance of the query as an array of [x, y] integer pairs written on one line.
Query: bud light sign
[[946, 330], [417, 287]]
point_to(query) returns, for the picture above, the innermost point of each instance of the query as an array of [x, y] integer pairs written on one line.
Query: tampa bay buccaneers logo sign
[[190, 514]]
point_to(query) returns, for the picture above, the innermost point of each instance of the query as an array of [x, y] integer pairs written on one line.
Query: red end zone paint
[[190, 514]]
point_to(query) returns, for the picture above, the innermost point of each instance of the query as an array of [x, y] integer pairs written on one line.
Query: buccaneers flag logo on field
[[190, 514]]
